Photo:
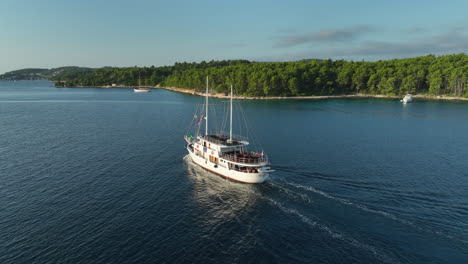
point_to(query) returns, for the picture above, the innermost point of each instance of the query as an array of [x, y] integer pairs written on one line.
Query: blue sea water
[[90, 175]]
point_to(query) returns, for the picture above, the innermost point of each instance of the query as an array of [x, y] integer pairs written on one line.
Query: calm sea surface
[[101, 176]]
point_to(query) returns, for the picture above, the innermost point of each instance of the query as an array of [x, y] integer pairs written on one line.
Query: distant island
[[430, 75], [61, 73]]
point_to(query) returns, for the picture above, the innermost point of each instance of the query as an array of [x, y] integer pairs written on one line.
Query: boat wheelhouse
[[227, 156]]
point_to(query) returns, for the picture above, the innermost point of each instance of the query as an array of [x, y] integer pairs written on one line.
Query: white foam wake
[[329, 231], [348, 202], [304, 197], [370, 210]]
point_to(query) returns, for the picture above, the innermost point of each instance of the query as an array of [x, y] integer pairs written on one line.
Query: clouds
[[369, 42], [413, 30], [324, 36], [442, 43]]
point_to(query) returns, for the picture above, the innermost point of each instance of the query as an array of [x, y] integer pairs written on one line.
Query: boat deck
[[221, 140], [246, 158]]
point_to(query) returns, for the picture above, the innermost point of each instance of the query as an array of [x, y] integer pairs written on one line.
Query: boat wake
[[299, 193], [290, 193], [332, 233], [348, 202], [222, 186], [373, 211]]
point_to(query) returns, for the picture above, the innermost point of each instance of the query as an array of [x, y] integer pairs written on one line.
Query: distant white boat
[[407, 99], [139, 89]]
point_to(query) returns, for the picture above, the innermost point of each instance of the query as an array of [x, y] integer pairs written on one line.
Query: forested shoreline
[[430, 75], [66, 72]]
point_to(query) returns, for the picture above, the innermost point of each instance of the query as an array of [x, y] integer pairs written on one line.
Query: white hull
[[136, 90], [223, 171], [407, 99]]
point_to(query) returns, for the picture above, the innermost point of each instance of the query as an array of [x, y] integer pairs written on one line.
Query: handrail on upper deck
[[250, 160]]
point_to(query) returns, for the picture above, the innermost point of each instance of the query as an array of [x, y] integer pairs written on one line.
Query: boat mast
[[206, 110], [230, 121], [139, 79]]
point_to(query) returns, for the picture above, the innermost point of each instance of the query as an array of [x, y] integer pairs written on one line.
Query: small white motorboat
[[141, 90], [407, 99]]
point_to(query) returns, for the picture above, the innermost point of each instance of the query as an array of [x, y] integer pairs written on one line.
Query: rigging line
[[217, 121], [250, 132], [240, 125], [206, 105], [191, 124], [223, 124], [213, 120], [225, 116], [242, 120], [221, 128], [216, 115], [194, 120], [221, 116], [201, 113], [217, 118]]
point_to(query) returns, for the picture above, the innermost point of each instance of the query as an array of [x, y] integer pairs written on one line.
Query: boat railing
[[246, 170], [213, 140], [246, 160], [223, 141]]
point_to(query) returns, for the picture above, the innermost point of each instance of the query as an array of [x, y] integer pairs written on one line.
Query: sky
[[98, 33]]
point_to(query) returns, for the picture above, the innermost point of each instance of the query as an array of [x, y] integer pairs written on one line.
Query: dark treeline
[[443, 75], [129, 76]]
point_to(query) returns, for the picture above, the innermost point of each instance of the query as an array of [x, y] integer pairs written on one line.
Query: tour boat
[[407, 99], [226, 155], [140, 89]]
